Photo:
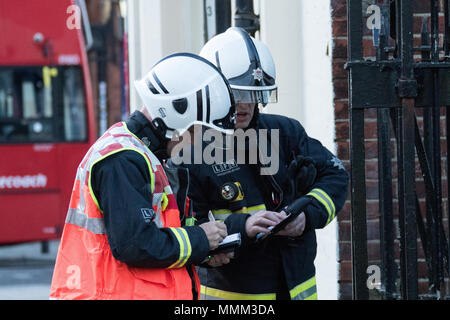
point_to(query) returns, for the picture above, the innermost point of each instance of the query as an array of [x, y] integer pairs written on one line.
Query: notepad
[[229, 244]]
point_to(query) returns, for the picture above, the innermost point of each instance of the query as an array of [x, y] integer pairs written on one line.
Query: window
[[42, 104]]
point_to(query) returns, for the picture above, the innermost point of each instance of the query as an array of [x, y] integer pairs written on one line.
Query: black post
[[387, 231], [45, 246], [357, 158], [407, 91], [447, 125], [245, 16], [431, 204], [447, 28], [223, 15], [429, 194], [447, 119], [435, 116]]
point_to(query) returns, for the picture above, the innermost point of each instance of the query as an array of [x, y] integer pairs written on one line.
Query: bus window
[[42, 104], [74, 106]]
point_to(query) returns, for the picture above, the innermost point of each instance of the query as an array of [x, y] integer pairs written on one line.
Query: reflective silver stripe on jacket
[[305, 291], [94, 225], [222, 214], [326, 201], [185, 247]]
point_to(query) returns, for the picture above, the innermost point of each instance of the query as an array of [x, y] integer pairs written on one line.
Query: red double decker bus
[[46, 115]]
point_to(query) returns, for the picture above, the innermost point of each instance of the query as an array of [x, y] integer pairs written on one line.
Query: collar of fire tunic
[[142, 128]]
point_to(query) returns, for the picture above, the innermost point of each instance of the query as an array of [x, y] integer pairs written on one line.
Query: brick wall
[[341, 104]]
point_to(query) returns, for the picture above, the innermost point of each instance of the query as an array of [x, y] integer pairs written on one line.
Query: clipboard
[[293, 211]]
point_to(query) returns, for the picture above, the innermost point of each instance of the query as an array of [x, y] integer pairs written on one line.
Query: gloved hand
[[294, 228], [302, 171]]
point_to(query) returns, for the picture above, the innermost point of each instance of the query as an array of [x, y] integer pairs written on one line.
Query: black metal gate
[[399, 84]]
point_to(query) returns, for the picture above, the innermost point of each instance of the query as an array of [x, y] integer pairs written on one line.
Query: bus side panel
[[29, 217], [21, 20], [29, 193], [31, 210]]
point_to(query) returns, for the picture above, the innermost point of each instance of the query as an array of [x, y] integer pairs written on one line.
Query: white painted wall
[[158, 28], [298, 33], [317, 101]]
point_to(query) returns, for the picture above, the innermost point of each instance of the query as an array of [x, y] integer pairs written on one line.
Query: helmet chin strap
[[160, 150], [153, 136]]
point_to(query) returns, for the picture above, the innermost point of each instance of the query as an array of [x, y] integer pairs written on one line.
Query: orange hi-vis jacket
[[85, 266]]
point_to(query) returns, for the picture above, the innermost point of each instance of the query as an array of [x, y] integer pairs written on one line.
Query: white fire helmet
[[247, 64], [183, 90]]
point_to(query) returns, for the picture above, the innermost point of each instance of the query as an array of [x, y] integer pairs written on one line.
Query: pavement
[[25, 271]]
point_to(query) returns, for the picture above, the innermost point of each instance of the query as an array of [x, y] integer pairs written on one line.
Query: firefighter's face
[[244, 114]]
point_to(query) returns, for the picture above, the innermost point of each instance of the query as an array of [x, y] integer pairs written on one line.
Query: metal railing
[[398, 83]]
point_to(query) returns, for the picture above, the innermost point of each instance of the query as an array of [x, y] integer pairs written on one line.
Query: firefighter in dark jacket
[[281, 266], [125, 235]]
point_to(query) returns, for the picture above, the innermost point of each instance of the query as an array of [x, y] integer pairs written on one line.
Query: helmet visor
[[255, 96]]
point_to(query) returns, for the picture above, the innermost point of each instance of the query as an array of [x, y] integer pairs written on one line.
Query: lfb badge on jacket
[[232, 191], [228, 191], [148, 214]]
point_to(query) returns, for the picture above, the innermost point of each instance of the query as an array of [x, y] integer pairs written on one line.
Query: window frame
[[58, 108]]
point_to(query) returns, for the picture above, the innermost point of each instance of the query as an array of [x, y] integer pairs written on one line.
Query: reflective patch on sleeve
[[305, 291], [185, 247], [326, 201]]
